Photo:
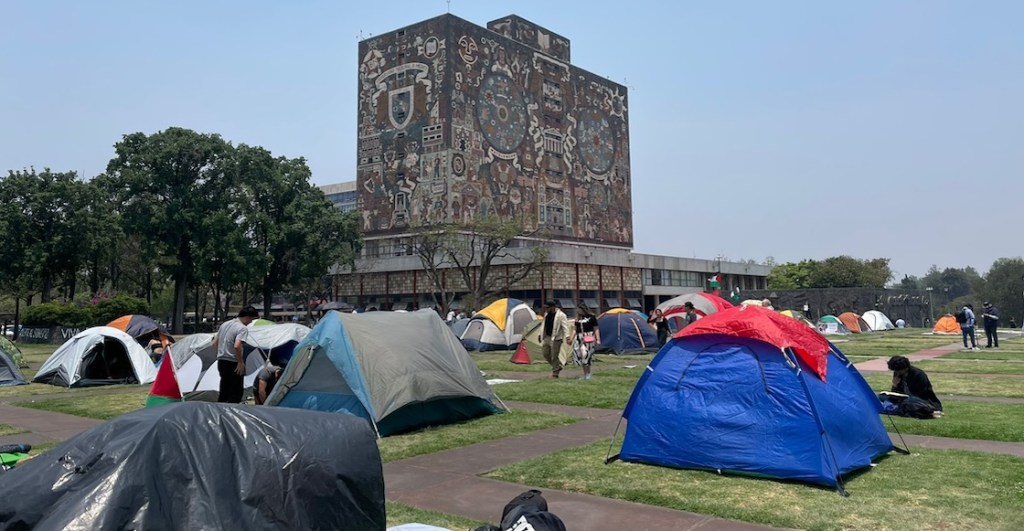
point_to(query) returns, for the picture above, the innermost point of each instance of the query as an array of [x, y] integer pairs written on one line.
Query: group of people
[[584, 335], [967, 320], [229, 342]]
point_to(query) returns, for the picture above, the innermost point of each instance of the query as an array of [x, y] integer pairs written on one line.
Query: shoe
[[587, 377], [975, 349]]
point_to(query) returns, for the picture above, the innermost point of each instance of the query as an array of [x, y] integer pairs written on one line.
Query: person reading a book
[[911, 391]]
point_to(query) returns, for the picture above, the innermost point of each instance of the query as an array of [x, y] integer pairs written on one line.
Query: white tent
[[195, 357], [499, 326], [97, 356], [877, 321]]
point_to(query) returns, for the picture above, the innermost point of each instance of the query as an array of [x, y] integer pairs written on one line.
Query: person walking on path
[[556, 325], [660, 324], [230, 356], [991, 320], [966, 319], [585, 338]]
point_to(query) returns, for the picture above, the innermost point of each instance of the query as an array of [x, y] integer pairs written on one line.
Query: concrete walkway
[[450, 481], [44, 426], [881, 364]]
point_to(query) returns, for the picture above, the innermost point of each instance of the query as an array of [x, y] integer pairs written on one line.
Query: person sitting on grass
[[919, 401]]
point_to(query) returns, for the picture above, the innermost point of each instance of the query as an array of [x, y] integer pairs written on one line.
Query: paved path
[[449, 481], [45, 426], [881, 364]]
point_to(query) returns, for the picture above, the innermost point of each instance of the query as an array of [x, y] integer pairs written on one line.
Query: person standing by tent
[[555, 328], [991, 320], [658, 321], [586, 337], [691, 315], [230, 356], [965, 317]]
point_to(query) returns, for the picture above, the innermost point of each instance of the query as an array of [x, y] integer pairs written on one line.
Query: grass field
[[99, 406], [956, 384], [432, 440], [972, 366], [969, 420], [499, 361], [931, 489], [7, 429]]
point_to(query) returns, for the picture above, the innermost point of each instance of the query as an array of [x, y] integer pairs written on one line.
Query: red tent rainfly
[[771, 327]]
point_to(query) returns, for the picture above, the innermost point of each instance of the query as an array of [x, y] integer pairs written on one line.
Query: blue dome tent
[[744, 392]]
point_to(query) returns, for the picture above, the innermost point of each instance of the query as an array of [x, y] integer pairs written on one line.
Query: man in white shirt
[[555, 328], [230, 355]]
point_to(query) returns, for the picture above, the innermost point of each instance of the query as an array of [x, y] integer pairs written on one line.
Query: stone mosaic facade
[[457, 121]]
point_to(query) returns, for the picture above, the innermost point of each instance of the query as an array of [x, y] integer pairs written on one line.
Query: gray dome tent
[[10, 373], [100, 355], [400, 371], [198, 465]]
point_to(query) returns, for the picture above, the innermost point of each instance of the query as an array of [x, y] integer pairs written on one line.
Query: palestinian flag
[[716, 282], [165, 388], [734, 296]]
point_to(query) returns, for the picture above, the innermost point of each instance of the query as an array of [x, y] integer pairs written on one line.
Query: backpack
[[961, 316]]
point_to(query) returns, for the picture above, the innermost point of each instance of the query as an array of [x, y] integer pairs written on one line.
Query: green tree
[[296, 233], [910, 282], [171, 184], [1004, 287], [51, 228], [792, 275]]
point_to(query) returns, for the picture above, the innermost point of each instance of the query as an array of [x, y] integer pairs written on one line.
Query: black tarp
[[197, 465]]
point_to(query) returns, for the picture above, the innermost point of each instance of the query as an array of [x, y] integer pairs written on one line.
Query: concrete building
[[342, 195], [458, 121]]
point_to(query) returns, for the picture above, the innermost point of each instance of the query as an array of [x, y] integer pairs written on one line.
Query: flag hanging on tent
[[734, 296], [165, 388]]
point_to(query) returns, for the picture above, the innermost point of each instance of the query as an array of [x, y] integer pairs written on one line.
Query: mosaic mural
[[457, 121]]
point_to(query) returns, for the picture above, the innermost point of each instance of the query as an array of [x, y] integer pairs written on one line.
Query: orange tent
[[142, 328], [946, 325], [854, 322]]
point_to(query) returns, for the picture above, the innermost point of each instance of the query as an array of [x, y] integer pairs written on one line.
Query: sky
[[786, 129]]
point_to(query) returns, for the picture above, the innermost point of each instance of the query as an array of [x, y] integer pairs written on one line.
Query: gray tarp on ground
[[376, 363], [204, 466]]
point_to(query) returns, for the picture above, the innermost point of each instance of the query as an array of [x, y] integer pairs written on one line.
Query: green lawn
[[931, 489], [499, 361], [103, 407], [969, 420], [403, 514], [987, 354], [969, 366], [440, 438], [7, 429], [954, 384], [608, 389]]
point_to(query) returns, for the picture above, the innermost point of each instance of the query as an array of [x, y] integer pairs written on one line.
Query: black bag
[[529, 511], [961, 316]]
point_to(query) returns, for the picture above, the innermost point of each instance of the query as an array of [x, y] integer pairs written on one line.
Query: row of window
[[666, 277]]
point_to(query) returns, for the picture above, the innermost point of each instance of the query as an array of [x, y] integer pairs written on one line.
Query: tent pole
[[906, 449], [608, 457], [502, 402]]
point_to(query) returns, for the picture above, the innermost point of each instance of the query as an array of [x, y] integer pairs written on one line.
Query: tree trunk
[[195, 329], [47, 286], [149, 286], [17, 317], [72, 287], [267, 299], [181, 287]]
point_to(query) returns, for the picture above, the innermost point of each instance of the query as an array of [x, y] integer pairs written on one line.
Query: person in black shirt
[[585, 338], [660, 324], [266, 379], [914, 383]]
